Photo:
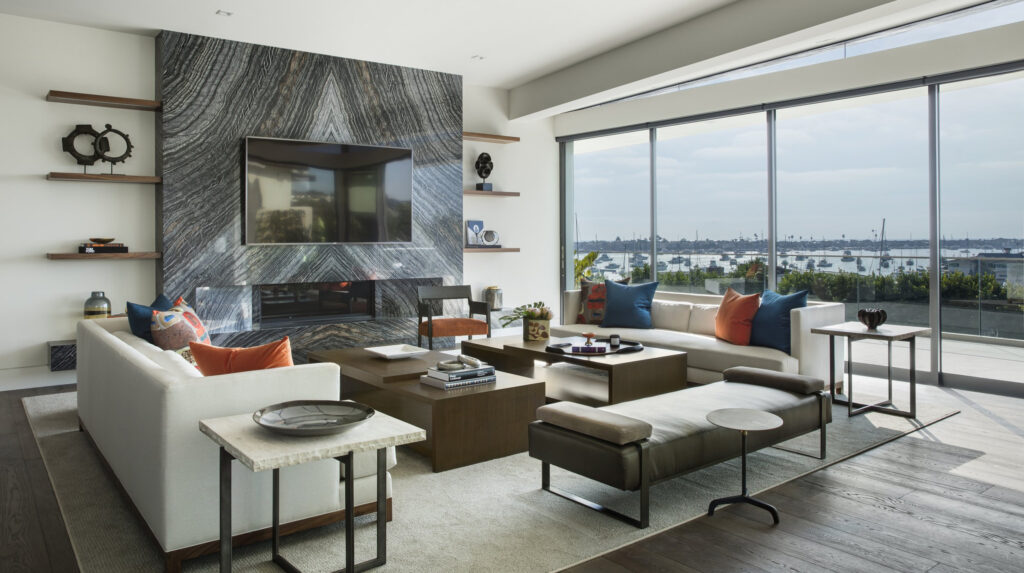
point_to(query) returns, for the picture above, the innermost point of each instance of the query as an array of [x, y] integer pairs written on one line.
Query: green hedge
[[906, 287]]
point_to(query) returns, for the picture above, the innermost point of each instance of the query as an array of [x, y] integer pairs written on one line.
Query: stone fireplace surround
[[217, 92]]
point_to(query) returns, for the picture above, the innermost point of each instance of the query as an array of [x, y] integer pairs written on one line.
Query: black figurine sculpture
[[100, 145], [484, 166]]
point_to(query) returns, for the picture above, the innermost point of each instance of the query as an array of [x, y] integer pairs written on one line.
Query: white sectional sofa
[[684, 321], [141, 407]]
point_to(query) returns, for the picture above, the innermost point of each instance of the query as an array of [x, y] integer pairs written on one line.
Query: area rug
[[491, 516]]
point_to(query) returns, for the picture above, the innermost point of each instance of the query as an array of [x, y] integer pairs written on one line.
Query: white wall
[[530, 221], [42, 299]]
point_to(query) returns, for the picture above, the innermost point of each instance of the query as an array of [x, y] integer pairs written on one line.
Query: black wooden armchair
[[433, 297]]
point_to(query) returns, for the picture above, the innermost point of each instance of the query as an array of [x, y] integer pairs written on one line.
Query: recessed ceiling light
[[224, 13], [476, 57]]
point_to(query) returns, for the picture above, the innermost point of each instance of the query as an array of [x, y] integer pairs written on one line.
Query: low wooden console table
[[464, 425], [854, 331], [595, 380], [260, 449]]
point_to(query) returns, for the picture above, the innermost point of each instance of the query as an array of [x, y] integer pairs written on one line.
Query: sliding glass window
[[853, 221], [982, 226], [612, 207], [712, 197]]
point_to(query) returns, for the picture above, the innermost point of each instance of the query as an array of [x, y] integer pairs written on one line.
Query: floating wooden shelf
[[488, 137], [83, 256], [490, 193], [103, 101], [486, 250], [102, 177]]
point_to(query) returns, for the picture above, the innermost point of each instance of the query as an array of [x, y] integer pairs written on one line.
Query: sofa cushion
[[176, 365], [736, 316], [140, 316], [702, 319], [771, 325], [173, 329], [670, 315], [628, 306], [592, 301], [137, 344], [214, 360]]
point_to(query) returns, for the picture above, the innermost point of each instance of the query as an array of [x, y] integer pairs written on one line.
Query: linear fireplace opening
[[304, 304]]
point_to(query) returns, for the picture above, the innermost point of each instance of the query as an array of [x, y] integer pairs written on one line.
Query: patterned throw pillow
[[173, 329], [592, 301]]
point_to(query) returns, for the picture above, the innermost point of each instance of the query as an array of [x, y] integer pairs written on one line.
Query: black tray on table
[[624, 347]]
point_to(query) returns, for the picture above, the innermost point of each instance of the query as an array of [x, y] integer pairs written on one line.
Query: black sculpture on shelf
[[484, 166], [68, 144], [100, 145]]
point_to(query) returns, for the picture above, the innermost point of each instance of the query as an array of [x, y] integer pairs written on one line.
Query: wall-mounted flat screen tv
[[300, 192]]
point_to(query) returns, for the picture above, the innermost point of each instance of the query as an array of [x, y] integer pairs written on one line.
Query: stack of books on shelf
[[102, 248], [468, 376]]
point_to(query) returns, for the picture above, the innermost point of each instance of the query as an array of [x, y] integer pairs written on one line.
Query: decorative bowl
[[311, 417], [101, 240], [871, 317]]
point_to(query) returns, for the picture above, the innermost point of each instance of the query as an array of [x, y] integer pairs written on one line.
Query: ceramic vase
[[97, 305], [871, 317], [535, 329]]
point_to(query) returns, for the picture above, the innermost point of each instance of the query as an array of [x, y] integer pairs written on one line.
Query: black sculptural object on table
[[484, 166]]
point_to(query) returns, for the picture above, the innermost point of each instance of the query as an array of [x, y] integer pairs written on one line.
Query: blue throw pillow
[[140, 315], [628, 306], [771, 323]]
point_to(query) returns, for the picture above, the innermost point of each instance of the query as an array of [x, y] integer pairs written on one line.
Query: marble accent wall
[[215, 93]]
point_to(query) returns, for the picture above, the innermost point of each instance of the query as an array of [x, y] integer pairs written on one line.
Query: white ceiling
[[520, 40]]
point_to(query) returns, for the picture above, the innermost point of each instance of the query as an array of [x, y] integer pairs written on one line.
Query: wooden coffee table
[[464, 426], [591, 380]]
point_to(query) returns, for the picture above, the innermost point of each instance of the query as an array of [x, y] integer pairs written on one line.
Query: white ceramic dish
[[397, 351]]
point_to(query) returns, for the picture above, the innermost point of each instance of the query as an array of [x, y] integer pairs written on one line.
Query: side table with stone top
[[890, 333], [260, 449]]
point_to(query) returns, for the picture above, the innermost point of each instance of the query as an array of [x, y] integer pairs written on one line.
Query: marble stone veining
[[215, 93]]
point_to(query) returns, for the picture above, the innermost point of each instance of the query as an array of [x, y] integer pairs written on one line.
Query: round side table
[[745, 420]]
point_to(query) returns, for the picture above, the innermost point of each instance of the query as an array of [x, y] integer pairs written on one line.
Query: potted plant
[[536, 320]]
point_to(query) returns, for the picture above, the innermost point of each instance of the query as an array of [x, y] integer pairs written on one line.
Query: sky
[[842, 167]]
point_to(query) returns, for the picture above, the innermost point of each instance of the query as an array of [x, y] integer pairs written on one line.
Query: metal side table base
[[350, 565], [744, 497], [854, 408]]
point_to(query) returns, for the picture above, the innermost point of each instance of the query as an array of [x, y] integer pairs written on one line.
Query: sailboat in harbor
[[884, 255], [847, 256]]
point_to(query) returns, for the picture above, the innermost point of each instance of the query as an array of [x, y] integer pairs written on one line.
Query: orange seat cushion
[[455, 327], [213, 360], [735, 317]]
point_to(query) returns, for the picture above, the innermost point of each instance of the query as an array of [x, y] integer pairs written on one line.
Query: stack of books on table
[[469, 376]]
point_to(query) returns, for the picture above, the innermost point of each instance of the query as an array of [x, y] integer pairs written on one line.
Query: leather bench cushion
[[601, 424], [704, 352], [682, 440], [788, 382]]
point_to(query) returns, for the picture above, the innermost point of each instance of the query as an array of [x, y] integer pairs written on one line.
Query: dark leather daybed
[[635, 444]]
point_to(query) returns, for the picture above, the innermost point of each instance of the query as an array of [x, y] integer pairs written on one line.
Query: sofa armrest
[[811, 350], [771, 379], [600, 424]]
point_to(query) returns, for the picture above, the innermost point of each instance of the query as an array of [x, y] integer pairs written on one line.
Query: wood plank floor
[[33, 538], [947, 498]]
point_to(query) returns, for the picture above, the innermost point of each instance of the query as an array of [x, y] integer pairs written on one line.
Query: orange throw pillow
[[213, 360], [736, 317]]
